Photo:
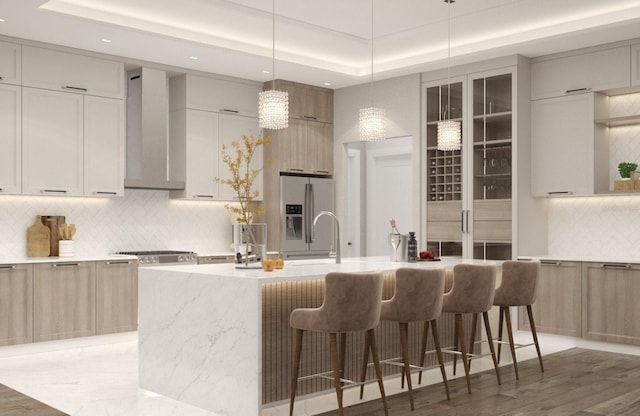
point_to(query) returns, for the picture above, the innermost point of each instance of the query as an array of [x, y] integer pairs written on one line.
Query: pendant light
[[449, 131], [273, 105], [372, 121]]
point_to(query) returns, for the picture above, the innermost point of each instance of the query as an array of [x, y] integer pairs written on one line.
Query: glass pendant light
[[372, 121], [449, 131], [273, 105]]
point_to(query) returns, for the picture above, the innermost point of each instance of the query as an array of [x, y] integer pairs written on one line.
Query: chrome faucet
[[313, 231]]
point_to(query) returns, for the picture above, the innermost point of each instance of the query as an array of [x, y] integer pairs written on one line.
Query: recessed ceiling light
[[194, 58], [106, 40], [327, 83], [1, 19], [266, 72]]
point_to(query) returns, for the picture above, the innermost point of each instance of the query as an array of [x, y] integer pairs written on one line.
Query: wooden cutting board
[[53, 222], [38, 239]]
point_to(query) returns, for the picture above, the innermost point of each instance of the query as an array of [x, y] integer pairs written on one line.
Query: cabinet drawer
[[10, 63], [211, 94], [444, 230], [55, 70], [595, 71], [444, 211], [492, 210], [492, 231]]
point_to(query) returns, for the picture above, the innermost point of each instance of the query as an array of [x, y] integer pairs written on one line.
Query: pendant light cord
[[273, 40], [371, 82], [449, 58]]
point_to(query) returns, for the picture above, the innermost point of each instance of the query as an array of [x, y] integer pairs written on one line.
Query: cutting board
[[38, 239], [53, 222]]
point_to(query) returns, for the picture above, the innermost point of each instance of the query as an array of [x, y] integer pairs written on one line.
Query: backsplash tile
[[605, 227], [141, 220]]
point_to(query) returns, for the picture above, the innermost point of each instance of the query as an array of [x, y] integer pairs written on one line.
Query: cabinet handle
[[7, 266], [576, 90], [118, 262], [105, 193], [468, 211], [65, 265], [321, 171], [70, 87], [203, 196], [462, 221], [615, 266], [53, 191], [551, 262], [560, 193], [295, 170], [310, 117], [226, 110]]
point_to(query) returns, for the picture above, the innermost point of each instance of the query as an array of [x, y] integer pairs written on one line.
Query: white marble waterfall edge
[[200, 340]]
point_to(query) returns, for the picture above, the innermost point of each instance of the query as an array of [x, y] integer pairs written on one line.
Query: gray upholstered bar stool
[[351, 303], [417, 298], [472, 292], [518, 288]]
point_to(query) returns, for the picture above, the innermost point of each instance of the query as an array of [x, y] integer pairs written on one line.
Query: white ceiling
[[320, 41]]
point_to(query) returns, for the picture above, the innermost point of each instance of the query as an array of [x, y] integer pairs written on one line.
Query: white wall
[[141, 220], [400, 97]]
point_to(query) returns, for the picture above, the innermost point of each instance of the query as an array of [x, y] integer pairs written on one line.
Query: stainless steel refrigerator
[[302, 198]]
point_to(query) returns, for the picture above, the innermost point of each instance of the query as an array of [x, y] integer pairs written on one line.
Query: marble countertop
[[309, 269], [32, 260]]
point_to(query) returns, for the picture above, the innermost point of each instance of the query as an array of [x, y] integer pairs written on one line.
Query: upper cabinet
[[307, 102], [56, 70], [594, 71], [635, 65], [10, 63], [10, 139], [212, 94], [569, 152]]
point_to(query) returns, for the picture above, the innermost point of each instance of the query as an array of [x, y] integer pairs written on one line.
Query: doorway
[[380, 185]]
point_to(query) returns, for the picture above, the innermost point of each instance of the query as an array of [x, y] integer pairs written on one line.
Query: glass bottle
[[412, 248]]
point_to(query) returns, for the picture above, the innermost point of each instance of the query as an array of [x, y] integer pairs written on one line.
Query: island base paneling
[[280, 298]]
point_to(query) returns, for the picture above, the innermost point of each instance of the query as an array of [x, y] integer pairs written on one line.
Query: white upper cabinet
[[232, 128], [52, 142], [569, 152], [635, 65], [593, 71], [212, 94], [55, 70], [10, 63], [194, 153], [104, 142], [10, 139]]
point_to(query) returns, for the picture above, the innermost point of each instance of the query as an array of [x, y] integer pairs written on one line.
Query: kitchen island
[[218, 337]]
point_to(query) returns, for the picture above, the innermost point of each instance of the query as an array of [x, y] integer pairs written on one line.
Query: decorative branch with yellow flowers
[[238, 161]]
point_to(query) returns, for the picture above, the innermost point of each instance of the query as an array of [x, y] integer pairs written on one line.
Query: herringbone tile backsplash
[[141, 220]]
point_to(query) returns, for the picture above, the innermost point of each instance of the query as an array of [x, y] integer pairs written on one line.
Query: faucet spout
[[335, 220]]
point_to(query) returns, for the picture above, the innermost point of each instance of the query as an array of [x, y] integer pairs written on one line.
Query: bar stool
[[518, 288], [417, 298], [351, 303], [472, 292]]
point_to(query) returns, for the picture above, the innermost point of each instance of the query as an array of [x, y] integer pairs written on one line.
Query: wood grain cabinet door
[[116, 296], [558, 305], [64, 300], [610, 302], [16, 304]]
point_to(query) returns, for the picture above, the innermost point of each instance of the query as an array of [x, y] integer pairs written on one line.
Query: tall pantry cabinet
[[476, 195]]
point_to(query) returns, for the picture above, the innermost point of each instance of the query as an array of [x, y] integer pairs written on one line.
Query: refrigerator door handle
[[308, 212]]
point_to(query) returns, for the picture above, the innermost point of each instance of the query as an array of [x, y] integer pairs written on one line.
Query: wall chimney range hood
[[148, 163]]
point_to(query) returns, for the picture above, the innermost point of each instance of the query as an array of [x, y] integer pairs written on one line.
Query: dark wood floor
[[13, 403], [576, 382]]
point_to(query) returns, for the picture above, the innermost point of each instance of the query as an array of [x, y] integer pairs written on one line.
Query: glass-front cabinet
[[469, 192]]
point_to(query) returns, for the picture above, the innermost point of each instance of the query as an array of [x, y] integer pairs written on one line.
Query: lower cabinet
[[116, 296], [16, 304], [558, 305], [64, 296], [610, 302]]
